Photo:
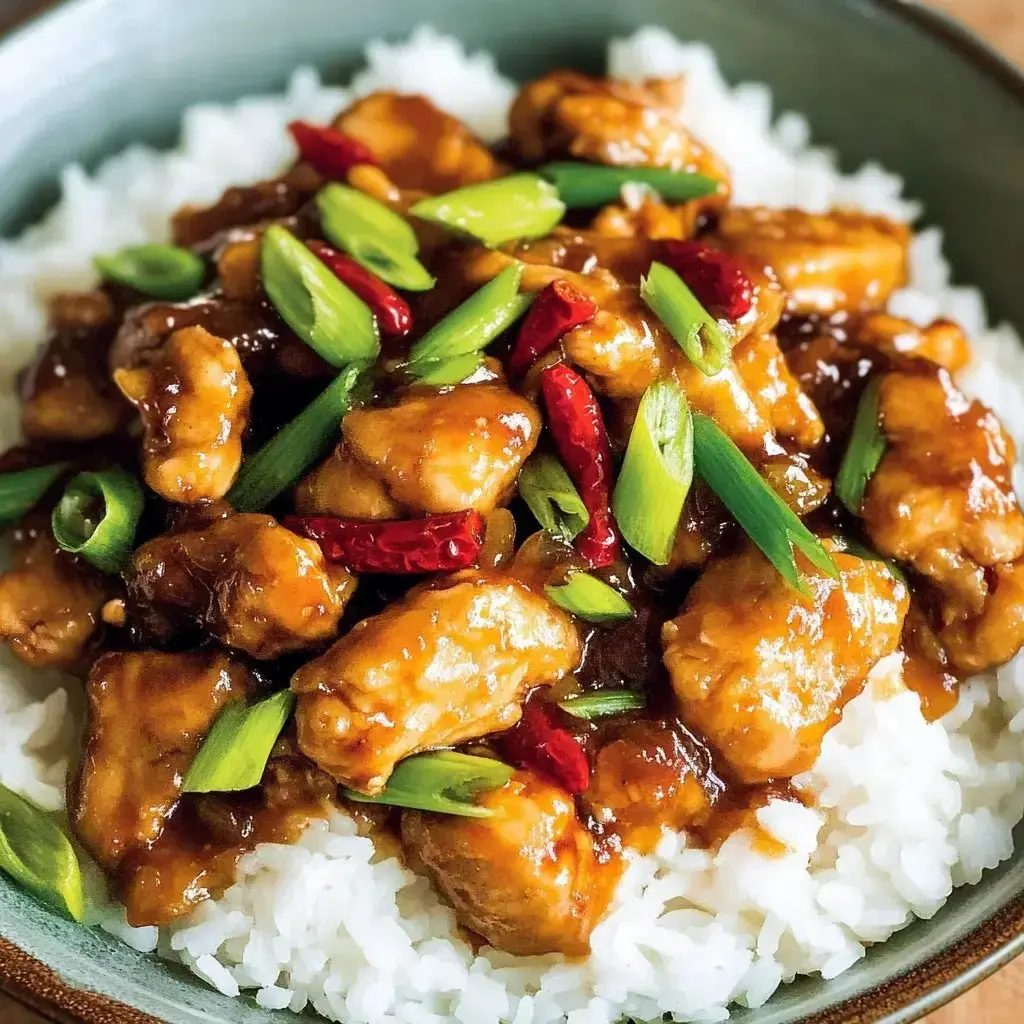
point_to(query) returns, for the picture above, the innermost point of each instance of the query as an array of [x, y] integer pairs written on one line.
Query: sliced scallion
[[449, 371], [298, 445], [590, 185], [19, 491], [704, 340], [764, 516], [444, 781], [863, 453], [604, 704], [35, 852], [236, 750], [517, 206], [97, 515], [163, 271], [556, 504], [590, 599], [656, 472], [322, 311]]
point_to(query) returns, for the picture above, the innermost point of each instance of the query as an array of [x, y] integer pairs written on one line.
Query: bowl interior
[[98, 74]]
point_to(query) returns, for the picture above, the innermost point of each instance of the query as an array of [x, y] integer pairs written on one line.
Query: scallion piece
[[235, 751], [35, 852], [604, 704], [444, 781], [556, 504], [699, 334], [590, 185], [323, 312], [517, 206], [769, 522], [372, 233], [96, 517], [656, 472], [298, 445], [163, 271], [19, 491], [863, 453], [449, 371], [590, 599]]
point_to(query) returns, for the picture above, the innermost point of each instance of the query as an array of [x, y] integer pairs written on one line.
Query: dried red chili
[[392, 311], [329, 151], [717, 278], [434, 544], [575, 421], [558, 308], [538, 742]]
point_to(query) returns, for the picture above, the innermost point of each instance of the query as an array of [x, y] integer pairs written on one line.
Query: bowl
[[879, 79]]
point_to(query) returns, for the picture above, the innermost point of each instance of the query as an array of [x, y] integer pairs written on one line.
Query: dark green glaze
[[878, 80]]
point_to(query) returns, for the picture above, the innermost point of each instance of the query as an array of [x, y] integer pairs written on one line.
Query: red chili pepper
[[717, 279], [538, 742], [329, 151], [435, 544], [558, 308], [392, 311], [582, 441]]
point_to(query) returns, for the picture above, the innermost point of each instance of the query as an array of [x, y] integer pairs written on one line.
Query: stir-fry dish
[[522, 502]]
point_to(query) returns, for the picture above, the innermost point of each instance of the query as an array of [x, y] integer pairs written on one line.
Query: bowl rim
[[901, 999]]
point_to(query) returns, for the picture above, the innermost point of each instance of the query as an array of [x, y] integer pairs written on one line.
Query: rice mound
[[906, 809]]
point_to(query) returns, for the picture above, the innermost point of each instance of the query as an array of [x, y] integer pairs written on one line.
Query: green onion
[[444, 781], [556, 504], [590, 185], [163, 271], [449, 371], [517, 206], [605, 704], [473, 325], [699, 334], [656, 472], [766, 518], [863, 453], [20, 491], [322, 311], [372, 233], [298, 445], [590, 599], [96, 517], [35, 852], [237, 748]]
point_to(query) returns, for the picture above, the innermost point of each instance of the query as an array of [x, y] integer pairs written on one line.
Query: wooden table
[[1000, 1000]]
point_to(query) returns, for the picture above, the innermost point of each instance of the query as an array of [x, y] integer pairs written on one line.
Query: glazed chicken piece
[[765, 676], [942, 342], [194, 402], [65, 393], [50, 602], [527, 878], [148, 714], [418, 146], [342, 486], [826, 262], [445, 664]]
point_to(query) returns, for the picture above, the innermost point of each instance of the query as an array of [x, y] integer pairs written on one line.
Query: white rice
[[905, 809]]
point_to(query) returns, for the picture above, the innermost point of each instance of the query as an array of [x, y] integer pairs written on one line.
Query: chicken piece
[[148, 714], [764, 673], [342, 486], [238, 269], [65, 393], [446, 451], [826, 262], [995, 635], [942, 342], [526, 878], [194, 402], [442, 665], [651, 218], [418, 146], [50, 602], [248, 581]]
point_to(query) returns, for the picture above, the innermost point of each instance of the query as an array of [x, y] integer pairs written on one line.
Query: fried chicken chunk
[[194, 402], [342, 486], [765, 677], [250, 582], [444, 664], [942, 342], [526, 878]]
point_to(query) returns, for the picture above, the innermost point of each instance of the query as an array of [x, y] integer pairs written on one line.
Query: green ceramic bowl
[[880, 79]]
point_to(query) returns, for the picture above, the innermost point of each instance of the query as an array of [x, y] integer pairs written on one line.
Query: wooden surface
[[1000, 1000]]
